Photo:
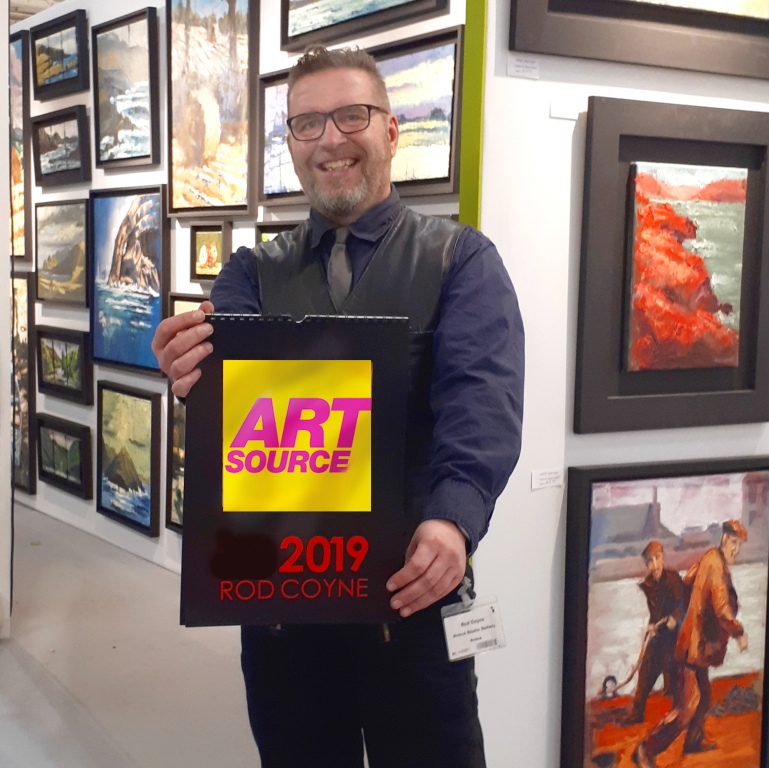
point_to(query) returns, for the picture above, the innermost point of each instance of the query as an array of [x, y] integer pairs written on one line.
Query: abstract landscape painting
[[129, 279], [128, 456], [175, 500], [688, 225], [421, 88], [209, 104], [125, 99], [62, 147], [61, 241], [23, 394], [60, 56], [18, 73], [279, 177], [65, 455], [306, 15], [64, 365], [56, 57], [753, 9]]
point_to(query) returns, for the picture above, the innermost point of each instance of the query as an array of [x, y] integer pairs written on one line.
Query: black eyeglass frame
[[327, 115]]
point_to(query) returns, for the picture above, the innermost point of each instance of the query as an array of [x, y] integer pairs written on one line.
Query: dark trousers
[[312, 690], [657, 660]]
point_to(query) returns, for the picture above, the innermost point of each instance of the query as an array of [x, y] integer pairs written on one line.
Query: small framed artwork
[[314, 21], [130, 274], [128, 456], [61, 147], [177, 418], [21, 174], [673, 324], [23, 382], [125, 91], [62, 240], [64, 366], [178, 303], [212, 61], [665, 614], [267, 232], [210, 247], [717, 36], [64, 455], [60, 56]]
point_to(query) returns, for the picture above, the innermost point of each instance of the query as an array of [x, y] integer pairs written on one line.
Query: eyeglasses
[[350, 119]]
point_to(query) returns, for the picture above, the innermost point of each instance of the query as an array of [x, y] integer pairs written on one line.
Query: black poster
[[294, 471]]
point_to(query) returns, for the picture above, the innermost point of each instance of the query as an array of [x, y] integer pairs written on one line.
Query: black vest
[[403, 279]]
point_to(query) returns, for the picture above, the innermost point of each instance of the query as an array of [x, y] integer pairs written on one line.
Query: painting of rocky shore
[[128, 275], [18, 72], [128, 456], [209, 104], [61, 251]]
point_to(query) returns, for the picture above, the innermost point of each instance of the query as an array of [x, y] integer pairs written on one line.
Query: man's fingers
[[181, 387], [171, 326], [189, 361], [415, 566], [430, 587]]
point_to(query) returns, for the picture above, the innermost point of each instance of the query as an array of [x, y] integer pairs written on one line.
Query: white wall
[[5, 354], [532, 208]]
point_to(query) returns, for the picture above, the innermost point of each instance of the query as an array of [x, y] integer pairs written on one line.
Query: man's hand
[[180, 344], [435, 564], [742, 641], [671, 623]]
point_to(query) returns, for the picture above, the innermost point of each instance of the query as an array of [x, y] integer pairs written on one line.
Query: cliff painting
[[61, 254], [60, 455], [127, 264], [688, 225], [16, 78], [209, 119], [60, 363], [56, 57], [125, 440], [59, 147]]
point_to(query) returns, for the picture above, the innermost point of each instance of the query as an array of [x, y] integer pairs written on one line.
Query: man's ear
[[393, 132]]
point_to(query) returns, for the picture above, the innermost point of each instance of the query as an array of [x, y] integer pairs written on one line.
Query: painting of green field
[[60, 454], [751, 9], [61, 363]]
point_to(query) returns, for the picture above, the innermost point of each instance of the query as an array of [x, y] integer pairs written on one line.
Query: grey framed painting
[[21, 175], [60, 56], [64, 455]]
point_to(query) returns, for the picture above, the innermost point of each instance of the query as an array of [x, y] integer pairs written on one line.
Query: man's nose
[[332, 136]]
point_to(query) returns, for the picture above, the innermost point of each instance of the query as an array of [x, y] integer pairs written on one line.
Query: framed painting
[[673, 323], [210, 249], [130, 274], [23, 395], [423, 78], [21, 175], [303, 22], [60, 56], [179, 303], [177, 419], [62, 235], [128, 456], [64, 366], [727, 37], [665, 614], [212, 61], [125, 91], [61, 147], [64, 455], [267, 232]]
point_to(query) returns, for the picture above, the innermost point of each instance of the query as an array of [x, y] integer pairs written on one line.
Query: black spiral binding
[[370, 319]]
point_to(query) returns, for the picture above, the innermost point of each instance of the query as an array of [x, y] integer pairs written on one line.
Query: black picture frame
[[116, 341], [199, 185], [62, 253], [138, 413], [613, 513], [61, 342], [200, 235], [607, 397], [642, 33], [356, 26], [21, 148], [75, 169], [23, 431], [274, 160], [184, 302], [177, 419], [266, 231], [107, 117], [78, 483], [72, 29]]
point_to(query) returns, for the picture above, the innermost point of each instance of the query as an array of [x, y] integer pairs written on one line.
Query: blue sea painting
[[127, 301], [308, 15], [56, 57]]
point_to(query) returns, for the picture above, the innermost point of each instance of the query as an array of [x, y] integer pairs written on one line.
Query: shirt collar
[[370, 226]]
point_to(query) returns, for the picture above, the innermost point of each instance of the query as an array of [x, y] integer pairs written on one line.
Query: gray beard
[[339, 203]]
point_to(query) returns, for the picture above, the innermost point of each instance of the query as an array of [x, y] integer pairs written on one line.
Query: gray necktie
[[339, 270]]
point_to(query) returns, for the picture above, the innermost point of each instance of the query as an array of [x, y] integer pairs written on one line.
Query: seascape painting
[[128, 276], [61, 251], [308, 15], [207, 252], [56, 57], [18, 72], [420, 86], [209, 104], [59, 147], [673, 559], [23, 388], [126, 455], [175, 510], [124, 97], [279, 177], [751, 9], [688, 225]]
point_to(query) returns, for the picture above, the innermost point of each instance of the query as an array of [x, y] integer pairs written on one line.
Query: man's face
[[343, 175], [730, 546], [655, 564]]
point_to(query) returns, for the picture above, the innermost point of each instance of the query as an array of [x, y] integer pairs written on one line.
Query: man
[[664, 591], [311, 690], [710, 622]]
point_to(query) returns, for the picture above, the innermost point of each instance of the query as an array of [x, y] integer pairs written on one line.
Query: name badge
[[473, 629]]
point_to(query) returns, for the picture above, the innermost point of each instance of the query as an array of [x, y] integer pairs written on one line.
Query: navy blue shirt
[[478, 349]]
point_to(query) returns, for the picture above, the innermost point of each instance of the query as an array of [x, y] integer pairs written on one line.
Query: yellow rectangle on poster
[[296, 435]]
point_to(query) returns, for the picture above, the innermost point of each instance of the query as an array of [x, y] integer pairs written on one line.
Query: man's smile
[[341, 164]]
